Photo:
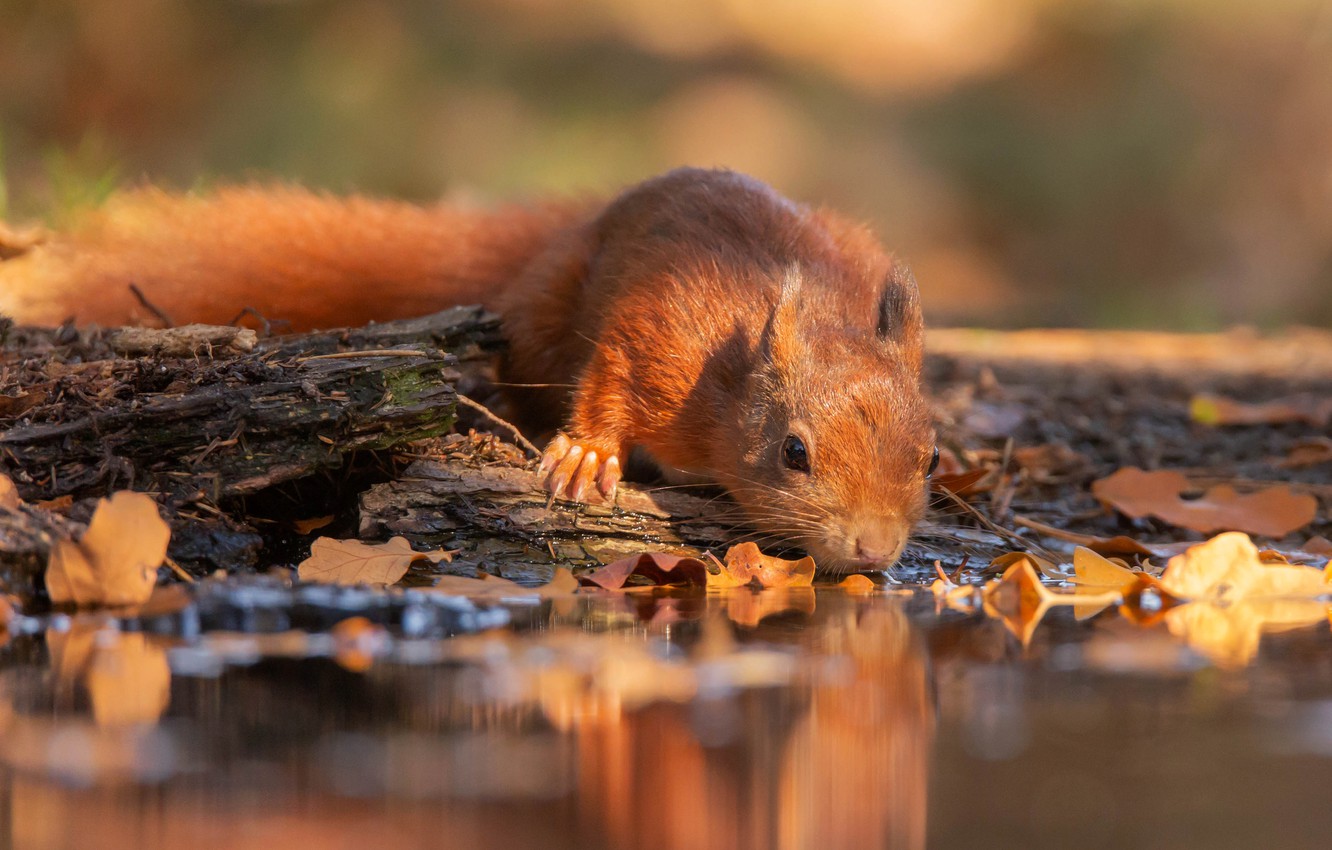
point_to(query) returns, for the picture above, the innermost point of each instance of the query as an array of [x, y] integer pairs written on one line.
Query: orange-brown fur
[[699, 316]]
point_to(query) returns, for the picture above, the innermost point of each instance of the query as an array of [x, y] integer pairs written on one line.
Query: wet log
[[235, 422], [498, 518]]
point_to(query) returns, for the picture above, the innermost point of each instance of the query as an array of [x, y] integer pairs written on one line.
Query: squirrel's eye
[[934, 463], [794, 454]]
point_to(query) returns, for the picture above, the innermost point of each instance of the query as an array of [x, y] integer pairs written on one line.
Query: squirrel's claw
[[572, 470]]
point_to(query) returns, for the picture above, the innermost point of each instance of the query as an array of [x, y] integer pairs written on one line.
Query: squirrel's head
[[838, 440]]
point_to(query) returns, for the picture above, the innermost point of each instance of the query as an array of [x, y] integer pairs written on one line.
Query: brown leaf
[[658, 567], [1307, 453], [305, 526], [1119, 545], [1315, 410], [14, 406], [961, 483], [116, 561], [1274, 512], [745, 564], [353, 562], [9, 496]]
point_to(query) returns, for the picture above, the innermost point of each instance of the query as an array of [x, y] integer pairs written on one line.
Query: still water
[[253, 716]]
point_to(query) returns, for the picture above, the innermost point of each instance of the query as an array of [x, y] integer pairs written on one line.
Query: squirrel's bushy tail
[[292, 255]]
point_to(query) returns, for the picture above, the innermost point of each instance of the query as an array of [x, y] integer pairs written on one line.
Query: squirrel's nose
[[881, 545]]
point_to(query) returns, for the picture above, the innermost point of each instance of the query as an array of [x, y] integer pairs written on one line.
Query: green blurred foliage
[[1158, 163]]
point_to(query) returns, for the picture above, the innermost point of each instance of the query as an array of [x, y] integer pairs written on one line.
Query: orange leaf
[[305, 526], [657, 567], [746, 564], [116, 560], [857, 584], [9, 496], [1274, 512]]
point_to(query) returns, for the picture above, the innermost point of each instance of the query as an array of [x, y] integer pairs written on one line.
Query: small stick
[[179, 571], [378, 352], [151, 307], [489, 414]]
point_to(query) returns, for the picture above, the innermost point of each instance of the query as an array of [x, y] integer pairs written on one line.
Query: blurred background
[[1149, 163]]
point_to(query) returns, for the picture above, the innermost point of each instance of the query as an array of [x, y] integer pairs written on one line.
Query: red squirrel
[[737, 337]]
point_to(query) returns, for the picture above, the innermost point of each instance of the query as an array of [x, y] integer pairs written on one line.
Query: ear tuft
[[777, 337], [899, 305]]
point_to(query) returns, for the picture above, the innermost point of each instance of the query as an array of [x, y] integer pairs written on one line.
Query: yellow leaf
[[116, 561], [1093, 570], [1228, 568], [353, 562], [1229, 635]]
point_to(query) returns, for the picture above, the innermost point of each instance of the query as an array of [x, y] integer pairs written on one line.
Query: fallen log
[[201, 426]]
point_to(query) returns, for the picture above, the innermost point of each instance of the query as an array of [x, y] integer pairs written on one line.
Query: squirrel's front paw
[[571, 468]]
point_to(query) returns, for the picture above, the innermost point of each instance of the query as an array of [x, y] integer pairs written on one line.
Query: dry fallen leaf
[[116, 561], [657, 567], [9, 496], [1018, 599], [1307, 453], [1093, 573], [353, 562], [745, 564], [1228, 568], [305, 526], [1273, 512], [1218, 410]]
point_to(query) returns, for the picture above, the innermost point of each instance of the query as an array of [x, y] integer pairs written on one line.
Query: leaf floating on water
[[1219, 410], [745, 564], [116, 560], [657, 567], [1018, 598], [857, 584], [1093, 573], [1273, 512], [348, 562]]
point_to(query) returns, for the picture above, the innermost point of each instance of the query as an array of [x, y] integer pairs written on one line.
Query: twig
[[151, 307], [994, 527], [352, 355], [179, 571], [489, 414], [1056, 533]]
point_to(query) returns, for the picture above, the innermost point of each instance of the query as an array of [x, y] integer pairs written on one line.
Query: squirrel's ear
[[899, 306], [899, 321], [779, 334]]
